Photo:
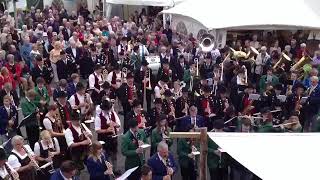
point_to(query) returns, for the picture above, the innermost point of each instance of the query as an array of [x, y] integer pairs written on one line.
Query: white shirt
[[97, 120], [143, 51], [260, 61], [118, 78], [92, 80], [4, 172], [13, 160], [157, 90], [56, 146], [69, 137], [74, 52], [72, 100], [47, 123]]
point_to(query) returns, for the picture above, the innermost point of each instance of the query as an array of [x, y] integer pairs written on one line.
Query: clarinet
[[37, 167], [11, 175]]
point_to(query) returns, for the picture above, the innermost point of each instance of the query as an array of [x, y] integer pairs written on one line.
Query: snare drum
[[154, 63]]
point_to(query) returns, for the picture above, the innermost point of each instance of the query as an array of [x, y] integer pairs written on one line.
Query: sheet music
[[254, 96], [127, 174], [282, 98], [145, 146]]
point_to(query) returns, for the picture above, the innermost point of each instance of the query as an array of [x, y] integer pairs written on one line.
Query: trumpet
[[196, 60], [124, 73], [149, 79], [104, 75]]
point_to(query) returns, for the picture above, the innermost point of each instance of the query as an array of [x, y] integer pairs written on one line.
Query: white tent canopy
[[169, 3], [274, 156], [249, 14]]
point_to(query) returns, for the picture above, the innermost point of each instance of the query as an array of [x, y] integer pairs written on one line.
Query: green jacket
[[263, 85], [268, 127], [44, 94], [183, 149], [128, 149], [213, 159], [156, 137], [28, 107]]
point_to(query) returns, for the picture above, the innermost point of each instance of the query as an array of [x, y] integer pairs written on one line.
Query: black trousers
[[32, 134], [148, 99], [218, 174], [136, 175], [189, 173], [126, 109]]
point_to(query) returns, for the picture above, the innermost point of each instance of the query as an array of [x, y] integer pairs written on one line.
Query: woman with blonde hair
[[6, 77], [46, 151], [54, 58], [98, 166]]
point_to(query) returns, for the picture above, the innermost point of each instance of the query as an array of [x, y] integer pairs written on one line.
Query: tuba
[[207, 42], [303, 61], [238, 54], [282, 60]]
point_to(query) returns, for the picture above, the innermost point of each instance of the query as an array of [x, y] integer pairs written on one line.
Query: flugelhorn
[[282, 60]]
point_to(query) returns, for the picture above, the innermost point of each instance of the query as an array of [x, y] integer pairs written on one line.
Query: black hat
[[164, 78], [106, 85], [299, 85], [132, 123], [61, 94], [218, 124], [3, 155], [105, 105], [79, 86], [265, 110], [181, 56], [130, 76], [158, 101], [208, 55], [97, 67], [38, 58], [144, 63], [162, 117], [278, 87], [222, 89], [165, 61], [206, 89], [116, 66], [185, 89], [136, 103], [76, 115], [62, 52], [167, 93]]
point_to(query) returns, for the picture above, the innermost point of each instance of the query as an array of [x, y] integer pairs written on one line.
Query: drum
[[154, 63]]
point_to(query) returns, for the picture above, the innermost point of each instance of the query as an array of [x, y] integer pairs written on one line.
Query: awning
[[169, 3], [274, 156], [249, 14]]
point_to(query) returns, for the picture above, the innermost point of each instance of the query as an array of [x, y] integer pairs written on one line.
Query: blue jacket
[[184, 123], [25, 50], [4, 118], [71, 89], [314, 100], [96, 169], [159, 170], [57, 176]]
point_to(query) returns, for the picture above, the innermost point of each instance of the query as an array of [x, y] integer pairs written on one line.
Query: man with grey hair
[[162, 163], [261, 60], [313, 104]]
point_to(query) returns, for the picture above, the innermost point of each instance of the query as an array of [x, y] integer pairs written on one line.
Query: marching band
[[110, 90]]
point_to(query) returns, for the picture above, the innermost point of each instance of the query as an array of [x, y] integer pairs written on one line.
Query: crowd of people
[[66, 72]]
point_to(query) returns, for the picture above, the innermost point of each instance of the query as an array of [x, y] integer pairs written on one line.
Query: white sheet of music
[[127, 174]]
